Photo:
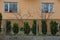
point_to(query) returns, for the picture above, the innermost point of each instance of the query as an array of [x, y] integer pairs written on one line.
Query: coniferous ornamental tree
[[44, 27], [26, 28], [34, 27], [15, 28], [8, 26], [53, 27], [0, 21]]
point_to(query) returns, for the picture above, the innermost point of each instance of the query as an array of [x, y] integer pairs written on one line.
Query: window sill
[[10, 12], [47, 12]]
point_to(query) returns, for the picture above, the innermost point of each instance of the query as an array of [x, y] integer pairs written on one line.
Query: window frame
[[48, 8], [9, 7]]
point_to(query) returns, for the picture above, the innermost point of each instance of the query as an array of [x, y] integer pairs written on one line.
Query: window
[[47, 7], [10, 7]]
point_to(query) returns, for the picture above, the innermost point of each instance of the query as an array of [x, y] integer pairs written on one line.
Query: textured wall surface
[[28, 9]]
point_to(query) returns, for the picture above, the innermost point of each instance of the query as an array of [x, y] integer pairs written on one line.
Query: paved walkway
[[29, 37]]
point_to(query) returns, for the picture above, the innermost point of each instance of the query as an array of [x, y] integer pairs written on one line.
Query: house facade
[[26, 10]]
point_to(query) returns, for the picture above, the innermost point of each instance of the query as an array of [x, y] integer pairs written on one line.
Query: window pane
[[45, 8], [51, 8], [6, 7], [13, 7]]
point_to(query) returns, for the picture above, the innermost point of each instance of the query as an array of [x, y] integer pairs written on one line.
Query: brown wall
[[33, 7]]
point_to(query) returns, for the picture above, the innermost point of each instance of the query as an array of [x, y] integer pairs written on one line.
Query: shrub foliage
[[26, 28], [53, 27], [15, 28], [44, 27], [8, 26], [0, 20], [34, 27]]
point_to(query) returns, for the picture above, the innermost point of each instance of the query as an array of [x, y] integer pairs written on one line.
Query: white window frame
[[9, 6], [48, 7]]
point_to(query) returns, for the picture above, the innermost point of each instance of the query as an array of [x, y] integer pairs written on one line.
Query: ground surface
[[29, 37]]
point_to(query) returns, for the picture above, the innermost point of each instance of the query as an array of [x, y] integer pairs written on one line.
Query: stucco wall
[[33, 8]]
